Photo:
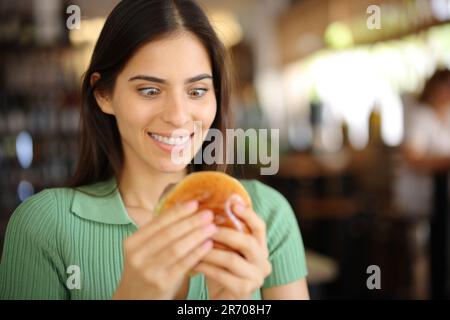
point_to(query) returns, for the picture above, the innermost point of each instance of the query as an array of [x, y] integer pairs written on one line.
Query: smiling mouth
[[171, 141]]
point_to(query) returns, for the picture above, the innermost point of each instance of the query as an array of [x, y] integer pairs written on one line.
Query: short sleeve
[[30, 267], [284, 240]]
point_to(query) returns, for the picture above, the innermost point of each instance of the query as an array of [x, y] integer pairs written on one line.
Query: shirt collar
[[100, 202]]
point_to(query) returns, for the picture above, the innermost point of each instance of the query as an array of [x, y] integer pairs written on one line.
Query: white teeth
[[170, 140]]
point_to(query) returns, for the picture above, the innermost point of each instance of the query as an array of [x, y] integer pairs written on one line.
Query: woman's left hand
[[230, 275]]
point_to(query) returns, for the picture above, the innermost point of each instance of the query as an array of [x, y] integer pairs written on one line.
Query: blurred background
[[358, 89]]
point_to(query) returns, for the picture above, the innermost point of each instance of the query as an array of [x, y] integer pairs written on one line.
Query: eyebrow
[[162, 81]]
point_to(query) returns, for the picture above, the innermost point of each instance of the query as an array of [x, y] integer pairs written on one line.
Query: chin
[[167, 166]]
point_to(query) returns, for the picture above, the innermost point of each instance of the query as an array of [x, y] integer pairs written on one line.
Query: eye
[[149, 92], [198, 92]]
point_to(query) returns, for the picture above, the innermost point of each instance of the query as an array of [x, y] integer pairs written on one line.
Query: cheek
[[131, 114], [207, 113]]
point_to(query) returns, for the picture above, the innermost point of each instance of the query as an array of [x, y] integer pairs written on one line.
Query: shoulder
[[49, 196], [35, 218], [40, 204], [43, 207], [48, 200]]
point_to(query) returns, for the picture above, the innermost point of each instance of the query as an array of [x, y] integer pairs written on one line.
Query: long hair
[[132, 24]]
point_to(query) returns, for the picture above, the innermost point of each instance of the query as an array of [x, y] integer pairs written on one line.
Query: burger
[[215, 191]]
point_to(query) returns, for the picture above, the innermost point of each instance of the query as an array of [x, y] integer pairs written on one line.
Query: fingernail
[[208, 244], [207, 215], [238, 198], [191, 204], [239, 208], [210, 228]]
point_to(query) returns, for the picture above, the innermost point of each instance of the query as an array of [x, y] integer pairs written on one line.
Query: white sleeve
[[418, 132]]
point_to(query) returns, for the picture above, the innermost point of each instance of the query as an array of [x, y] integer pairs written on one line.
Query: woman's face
[[165, 90]]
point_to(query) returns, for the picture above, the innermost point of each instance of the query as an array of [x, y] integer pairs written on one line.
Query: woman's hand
[[160, 254], [231, 275]]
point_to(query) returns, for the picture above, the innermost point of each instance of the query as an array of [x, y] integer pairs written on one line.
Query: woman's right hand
[[161, 253]]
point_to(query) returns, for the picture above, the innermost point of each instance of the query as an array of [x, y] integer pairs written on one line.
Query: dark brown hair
[[440, 78], [131, 24]]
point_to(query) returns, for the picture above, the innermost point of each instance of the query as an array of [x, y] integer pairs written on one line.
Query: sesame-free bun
[[214, 191]]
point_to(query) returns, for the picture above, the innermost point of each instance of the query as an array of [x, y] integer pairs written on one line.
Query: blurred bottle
[[48, 25], [375, 139], [345, 137]]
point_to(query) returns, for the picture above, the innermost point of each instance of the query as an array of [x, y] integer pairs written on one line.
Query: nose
[[176, 111]]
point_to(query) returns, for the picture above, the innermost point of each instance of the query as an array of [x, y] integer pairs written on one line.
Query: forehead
[[177, 55]]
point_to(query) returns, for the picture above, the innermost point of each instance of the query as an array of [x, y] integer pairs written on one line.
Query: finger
[[241, 242], [189, 261], [166, 237], [182, 247], [177, 214], [232, 262], [240, 287], [254, 222]]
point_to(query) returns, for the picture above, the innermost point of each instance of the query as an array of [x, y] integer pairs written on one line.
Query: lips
[[173, 141]]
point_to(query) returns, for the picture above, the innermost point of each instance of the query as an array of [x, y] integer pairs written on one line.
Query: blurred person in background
[[247, 108], [426, 148]]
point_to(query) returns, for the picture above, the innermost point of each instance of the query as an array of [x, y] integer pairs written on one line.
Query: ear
[[103, 98]]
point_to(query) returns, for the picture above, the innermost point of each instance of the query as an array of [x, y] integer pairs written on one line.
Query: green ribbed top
[[60, 231]]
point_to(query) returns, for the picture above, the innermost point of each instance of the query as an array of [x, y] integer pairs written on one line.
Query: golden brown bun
[[214, 191]]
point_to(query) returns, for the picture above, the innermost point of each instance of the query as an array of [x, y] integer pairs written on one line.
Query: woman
[[426, 148], [157, 67]]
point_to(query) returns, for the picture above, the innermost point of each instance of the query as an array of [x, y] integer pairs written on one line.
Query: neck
[[141, 186]]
